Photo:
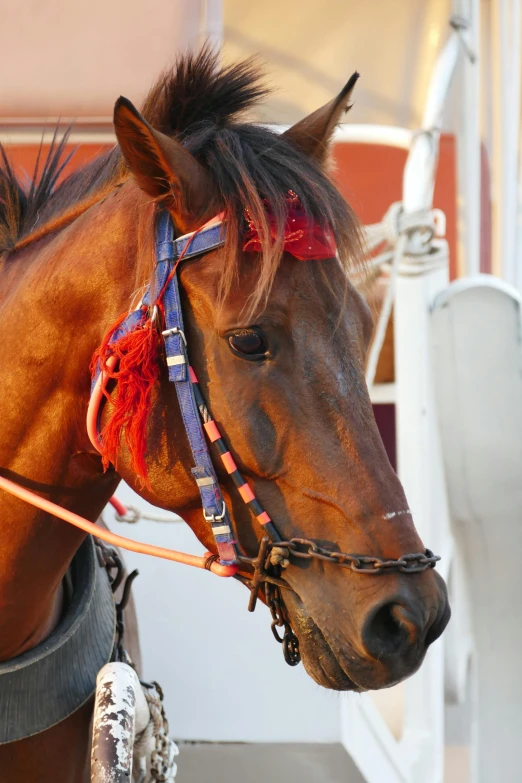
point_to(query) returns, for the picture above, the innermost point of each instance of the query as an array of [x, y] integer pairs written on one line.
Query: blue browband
[[201, 242]]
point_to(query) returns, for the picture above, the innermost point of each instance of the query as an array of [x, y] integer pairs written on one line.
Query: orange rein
[[207, 561]]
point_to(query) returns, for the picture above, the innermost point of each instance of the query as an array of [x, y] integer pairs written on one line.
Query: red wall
[[23, 156]]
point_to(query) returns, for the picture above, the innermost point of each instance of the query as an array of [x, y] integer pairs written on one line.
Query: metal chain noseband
[[274, 556], [304, 549]]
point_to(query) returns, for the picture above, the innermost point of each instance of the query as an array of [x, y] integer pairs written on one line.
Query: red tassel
[[136, 372]]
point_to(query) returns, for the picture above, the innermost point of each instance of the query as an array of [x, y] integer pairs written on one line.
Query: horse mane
[[253, 168], [31, 207]]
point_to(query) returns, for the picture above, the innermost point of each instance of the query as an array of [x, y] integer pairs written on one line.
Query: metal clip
[[215, 517]]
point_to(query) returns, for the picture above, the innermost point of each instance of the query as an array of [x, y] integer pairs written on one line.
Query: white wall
[[224, 676]]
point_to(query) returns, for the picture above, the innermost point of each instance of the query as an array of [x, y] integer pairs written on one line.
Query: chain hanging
[[273, 557], [154, 751], [280, 619], [109, 559]]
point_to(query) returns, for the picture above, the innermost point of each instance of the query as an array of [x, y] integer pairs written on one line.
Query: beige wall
[[72, 58], [75, 57], [312, 47]]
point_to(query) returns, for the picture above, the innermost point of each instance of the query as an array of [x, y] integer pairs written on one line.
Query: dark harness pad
[[45, 685]]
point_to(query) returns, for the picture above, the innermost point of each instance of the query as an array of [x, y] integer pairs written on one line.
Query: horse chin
[[319, 659], [331, 660], [321, 663]]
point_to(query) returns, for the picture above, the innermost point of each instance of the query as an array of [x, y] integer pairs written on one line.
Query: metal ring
[[215, 517], [210, 560], [154, 314]]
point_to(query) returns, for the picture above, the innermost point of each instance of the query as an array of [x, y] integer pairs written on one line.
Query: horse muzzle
[[378, 647]]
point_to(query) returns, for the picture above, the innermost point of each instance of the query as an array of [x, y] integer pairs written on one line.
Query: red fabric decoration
[[136, 372], [304, 240]]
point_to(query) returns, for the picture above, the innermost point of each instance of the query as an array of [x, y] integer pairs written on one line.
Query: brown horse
[[278, 345]]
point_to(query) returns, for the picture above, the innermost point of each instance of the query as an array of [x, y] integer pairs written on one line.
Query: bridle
[[275, 554]]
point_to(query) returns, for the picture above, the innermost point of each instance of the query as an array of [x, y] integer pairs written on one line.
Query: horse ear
[[162, 167], [312, 135]]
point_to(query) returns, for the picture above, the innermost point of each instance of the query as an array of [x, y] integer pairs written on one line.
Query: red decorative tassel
[[136, 372]]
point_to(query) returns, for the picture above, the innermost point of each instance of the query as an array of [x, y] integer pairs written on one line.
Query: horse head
[[278, 342]]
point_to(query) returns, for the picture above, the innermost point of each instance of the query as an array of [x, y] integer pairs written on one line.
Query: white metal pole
[[505, 64], [518, 239], [419, 454], [419, 172], [469, 151], [498, 260]]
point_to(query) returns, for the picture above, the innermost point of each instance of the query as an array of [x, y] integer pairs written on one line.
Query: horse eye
[[248, 343]]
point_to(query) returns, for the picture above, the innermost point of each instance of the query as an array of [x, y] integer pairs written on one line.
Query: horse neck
[[62, 295]]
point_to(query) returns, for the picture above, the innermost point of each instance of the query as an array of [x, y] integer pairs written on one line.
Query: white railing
[[418, 755]]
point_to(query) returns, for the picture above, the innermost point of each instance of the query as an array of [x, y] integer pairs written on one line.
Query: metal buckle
[[215, 517], [175, 330]]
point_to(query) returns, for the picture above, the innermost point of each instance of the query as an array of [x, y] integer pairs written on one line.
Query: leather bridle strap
[[169, 252], [192, 405], [214, 508], [162, 299]]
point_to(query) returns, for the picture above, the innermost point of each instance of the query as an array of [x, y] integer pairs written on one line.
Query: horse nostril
[[388, 630]]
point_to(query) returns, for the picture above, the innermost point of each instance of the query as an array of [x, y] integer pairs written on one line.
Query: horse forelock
[[203, 105]]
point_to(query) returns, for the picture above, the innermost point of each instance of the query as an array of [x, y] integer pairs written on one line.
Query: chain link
[[109, 559], [289, 640], [153, 748], [304, 549]]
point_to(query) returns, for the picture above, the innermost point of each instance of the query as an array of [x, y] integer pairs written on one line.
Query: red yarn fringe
[[136, 372]]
